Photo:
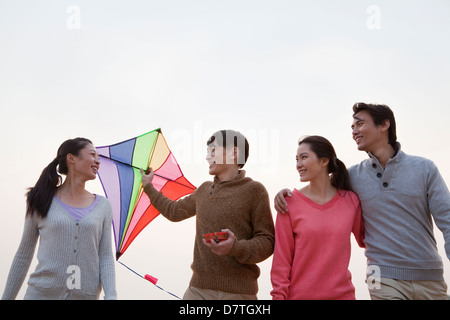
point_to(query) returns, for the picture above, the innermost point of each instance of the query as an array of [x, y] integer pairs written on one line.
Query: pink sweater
[[312, 248]]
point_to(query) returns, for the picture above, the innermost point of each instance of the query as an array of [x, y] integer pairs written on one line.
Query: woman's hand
[[280, 203]]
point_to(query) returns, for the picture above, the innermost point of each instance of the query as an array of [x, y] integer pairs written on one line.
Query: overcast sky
[[275, 70]]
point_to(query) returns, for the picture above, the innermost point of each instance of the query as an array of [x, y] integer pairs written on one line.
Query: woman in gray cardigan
[[75, 257]]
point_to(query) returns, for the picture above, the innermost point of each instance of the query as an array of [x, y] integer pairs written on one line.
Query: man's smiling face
[[366, 134]]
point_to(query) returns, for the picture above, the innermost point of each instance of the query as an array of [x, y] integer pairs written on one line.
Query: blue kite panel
[[126, 177], [123, 152]]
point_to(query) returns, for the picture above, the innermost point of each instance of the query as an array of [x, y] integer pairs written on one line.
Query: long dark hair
[[324, 149], [39, 198]]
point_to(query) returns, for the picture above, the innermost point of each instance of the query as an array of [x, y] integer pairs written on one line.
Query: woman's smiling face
[[86, 163], [309, 166]]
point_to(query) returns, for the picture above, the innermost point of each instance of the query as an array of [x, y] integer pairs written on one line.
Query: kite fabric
[[121, 179]]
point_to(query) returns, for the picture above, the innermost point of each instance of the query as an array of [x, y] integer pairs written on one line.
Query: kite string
[[130, 269], [168, 292], [146, 279]]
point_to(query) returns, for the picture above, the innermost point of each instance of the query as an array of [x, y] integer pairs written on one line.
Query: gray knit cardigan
[[75, 259]]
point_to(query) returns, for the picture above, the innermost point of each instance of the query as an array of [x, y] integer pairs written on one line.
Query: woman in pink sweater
[[312, 238]]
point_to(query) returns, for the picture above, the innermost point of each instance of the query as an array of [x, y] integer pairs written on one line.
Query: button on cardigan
[[80, 250]]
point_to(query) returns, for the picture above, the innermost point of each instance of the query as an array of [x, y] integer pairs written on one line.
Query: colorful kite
[[121, 179]]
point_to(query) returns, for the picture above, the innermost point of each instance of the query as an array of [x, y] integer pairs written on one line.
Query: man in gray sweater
[[400, 196]]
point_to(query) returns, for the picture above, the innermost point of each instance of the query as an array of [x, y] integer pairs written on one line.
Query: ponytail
[[324, 149], [339, 175], [39, 198]]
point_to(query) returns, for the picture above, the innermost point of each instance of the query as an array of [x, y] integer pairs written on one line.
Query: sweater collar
[[398, 156], [240, 176]]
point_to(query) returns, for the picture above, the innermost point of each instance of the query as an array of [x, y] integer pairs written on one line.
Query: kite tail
[[150, 279]]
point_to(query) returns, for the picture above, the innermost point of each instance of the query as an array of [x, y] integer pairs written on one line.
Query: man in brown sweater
[[231, 203]]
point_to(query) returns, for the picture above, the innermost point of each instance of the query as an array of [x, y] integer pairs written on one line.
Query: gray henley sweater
[[399, 204]]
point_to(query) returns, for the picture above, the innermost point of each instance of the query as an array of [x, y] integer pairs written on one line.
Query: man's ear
[[234, 154], [385, 125]]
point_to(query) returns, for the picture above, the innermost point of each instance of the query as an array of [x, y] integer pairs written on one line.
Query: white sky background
[[275, 70]]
